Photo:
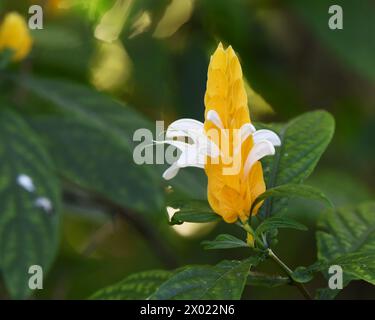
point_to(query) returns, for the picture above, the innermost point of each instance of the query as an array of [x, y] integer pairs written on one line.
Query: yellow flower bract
[[14, 35], [230, 196]]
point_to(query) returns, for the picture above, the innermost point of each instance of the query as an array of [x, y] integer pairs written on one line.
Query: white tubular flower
[[195, 154], [195, 151]]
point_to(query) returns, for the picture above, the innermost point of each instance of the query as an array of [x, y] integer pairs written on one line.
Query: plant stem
[[289, 272], [250, 230]]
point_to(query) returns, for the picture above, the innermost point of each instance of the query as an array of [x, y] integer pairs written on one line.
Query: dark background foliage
[[113, 222]]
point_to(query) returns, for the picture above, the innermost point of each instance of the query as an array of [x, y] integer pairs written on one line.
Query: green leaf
[[326, 293], [359, 265], [265, 280], [293, 190], [88, 104], [226, 280], [330, 294], [303, 141], [347, 238], [346, 230], [356, 265], [137, 286], [97, 161], [113, 125], [92, 143], [29, 233], [198, 211], [278, 222], [302, 275], [224, 241]]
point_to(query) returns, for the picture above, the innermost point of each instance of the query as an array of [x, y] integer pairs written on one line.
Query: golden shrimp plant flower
[[15, 35], [227, 145]]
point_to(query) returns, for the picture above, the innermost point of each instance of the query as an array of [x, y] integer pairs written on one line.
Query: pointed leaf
[[137, 286], [347, 238], [29, 205], [224, 241], [92, 143], [226, 280], [95, 160], [293, 190], [197, 211], [346, 230], [355, 265], [303, 141], [278, 222]]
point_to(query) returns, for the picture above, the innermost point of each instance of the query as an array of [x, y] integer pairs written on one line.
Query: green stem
[[250, 230], [289, 272]]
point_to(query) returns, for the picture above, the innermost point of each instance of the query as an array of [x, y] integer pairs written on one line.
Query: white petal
[[192, 154], [269, 135], [185, 128], [193, 134], [194, 129], [245, 131], [171, 172], [259, 150], [201, 143], [191, 158], [178, 144], [186, 125], [174, 133], [214, 117]]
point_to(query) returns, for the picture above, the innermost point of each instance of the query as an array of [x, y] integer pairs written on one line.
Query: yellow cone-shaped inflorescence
[[227, 146], [230, 195], [14, 35]]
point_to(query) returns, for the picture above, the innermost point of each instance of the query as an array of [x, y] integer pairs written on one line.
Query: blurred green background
[[292, 63]]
